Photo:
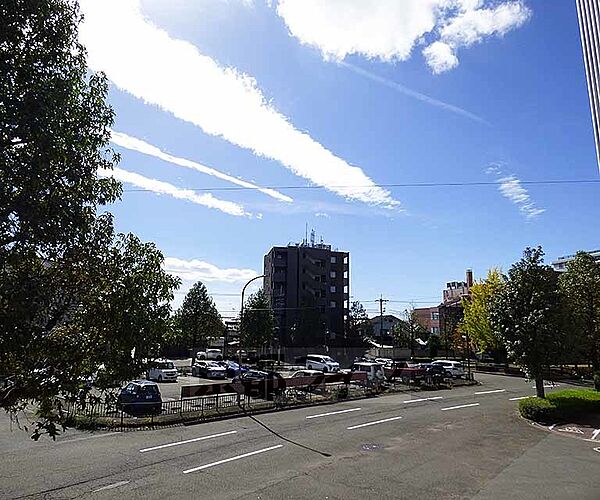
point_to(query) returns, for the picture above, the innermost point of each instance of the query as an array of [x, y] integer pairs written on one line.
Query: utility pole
[[381, 301]]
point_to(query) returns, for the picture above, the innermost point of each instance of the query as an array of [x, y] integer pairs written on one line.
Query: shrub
[[537, 409], [573, 401], [597, 381]]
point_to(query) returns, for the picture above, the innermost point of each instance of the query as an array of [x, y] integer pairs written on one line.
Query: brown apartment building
[[308, 285]]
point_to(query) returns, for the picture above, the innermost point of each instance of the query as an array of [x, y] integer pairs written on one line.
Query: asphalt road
[[462, 443]]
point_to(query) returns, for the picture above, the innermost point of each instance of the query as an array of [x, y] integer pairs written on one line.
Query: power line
[[392, 185]]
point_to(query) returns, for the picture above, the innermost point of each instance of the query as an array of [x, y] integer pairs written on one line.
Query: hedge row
[[560, 405]]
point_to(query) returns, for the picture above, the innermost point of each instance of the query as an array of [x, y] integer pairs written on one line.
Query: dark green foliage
[[528, 315], [537, 409], [77, 303], [561, 405], [580, 285], [197, 321], [358, 326], [257, 324]]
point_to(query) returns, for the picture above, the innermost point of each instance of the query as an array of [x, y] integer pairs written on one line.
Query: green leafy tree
[[407, 331], [528, 315], [476, 310], [76, 302], [197, 320], [358, 325], [580, 285], [433, 344], [257, 324]]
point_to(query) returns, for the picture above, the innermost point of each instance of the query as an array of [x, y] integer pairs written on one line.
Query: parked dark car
[[260, 384], [209, 369], [232, 368], [140, 397], [434, 374]]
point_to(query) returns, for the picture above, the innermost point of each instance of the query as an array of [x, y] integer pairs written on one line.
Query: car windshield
[[166, 366]]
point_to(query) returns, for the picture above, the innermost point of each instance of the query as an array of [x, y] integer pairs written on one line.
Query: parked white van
[[374, 371], [162, 370], [322, 363], [453, 368]]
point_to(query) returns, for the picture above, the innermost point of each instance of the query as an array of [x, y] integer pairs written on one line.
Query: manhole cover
[[371, 447]]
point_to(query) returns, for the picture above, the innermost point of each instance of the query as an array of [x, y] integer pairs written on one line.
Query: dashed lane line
[[367, 424], [422, 399], [459, 406], [178, 443], [231, 459], [111, 486], [333, 413]]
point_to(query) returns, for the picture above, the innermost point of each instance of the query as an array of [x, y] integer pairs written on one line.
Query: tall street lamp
[[242, 312]]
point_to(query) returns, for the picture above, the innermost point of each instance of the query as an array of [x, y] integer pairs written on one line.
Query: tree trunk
[[539, 385]]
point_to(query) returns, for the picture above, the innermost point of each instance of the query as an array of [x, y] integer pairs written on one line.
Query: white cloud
[[512, 189], [382, 29], [388, 30], [440, 57], [160, 187], [198, 270], [147, 62], [413, 93], [132, 143], [325, 215]]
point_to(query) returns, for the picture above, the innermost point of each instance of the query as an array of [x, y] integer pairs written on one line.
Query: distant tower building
[[308, 285], [588, 12]]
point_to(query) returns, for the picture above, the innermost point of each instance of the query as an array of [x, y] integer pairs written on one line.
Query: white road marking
[[61, 441], [177, 443], [517, 399], [422, 399], [460, 406], [111, 486], [373, 423], [333, 413], [595, 433], [489, 392], [552, 427], [597, 449], [238, 457]]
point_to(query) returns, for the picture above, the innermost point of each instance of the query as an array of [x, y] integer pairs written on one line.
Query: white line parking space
[[237, 457], [178, 443], [373, 423], [460, 406], [111, 486], [517, 399], [489, 392], [422, 399], [595, 433], [95, 436], [333, 413]]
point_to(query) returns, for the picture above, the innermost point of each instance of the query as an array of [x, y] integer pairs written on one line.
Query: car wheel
[[147, 375], [325, 370], [219, 358], [310, 367]]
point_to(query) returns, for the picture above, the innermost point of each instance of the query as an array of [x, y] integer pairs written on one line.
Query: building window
[[332, 259], [332, 289], [323, 278], [345, 259], [435, 315], [332, 274], [332, 304], [346, 274], [435, 329], [345, 288], [317, 278]]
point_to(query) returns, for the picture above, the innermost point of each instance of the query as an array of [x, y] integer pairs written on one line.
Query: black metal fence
[[108, 412]]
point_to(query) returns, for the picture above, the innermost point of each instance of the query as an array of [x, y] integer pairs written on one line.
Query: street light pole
[[242, 314]]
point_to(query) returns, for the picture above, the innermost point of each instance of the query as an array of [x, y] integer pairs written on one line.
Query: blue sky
[[344, 97]]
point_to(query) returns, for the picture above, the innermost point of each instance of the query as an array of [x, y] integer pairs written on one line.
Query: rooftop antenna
[[312, 237], [306, 233]]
